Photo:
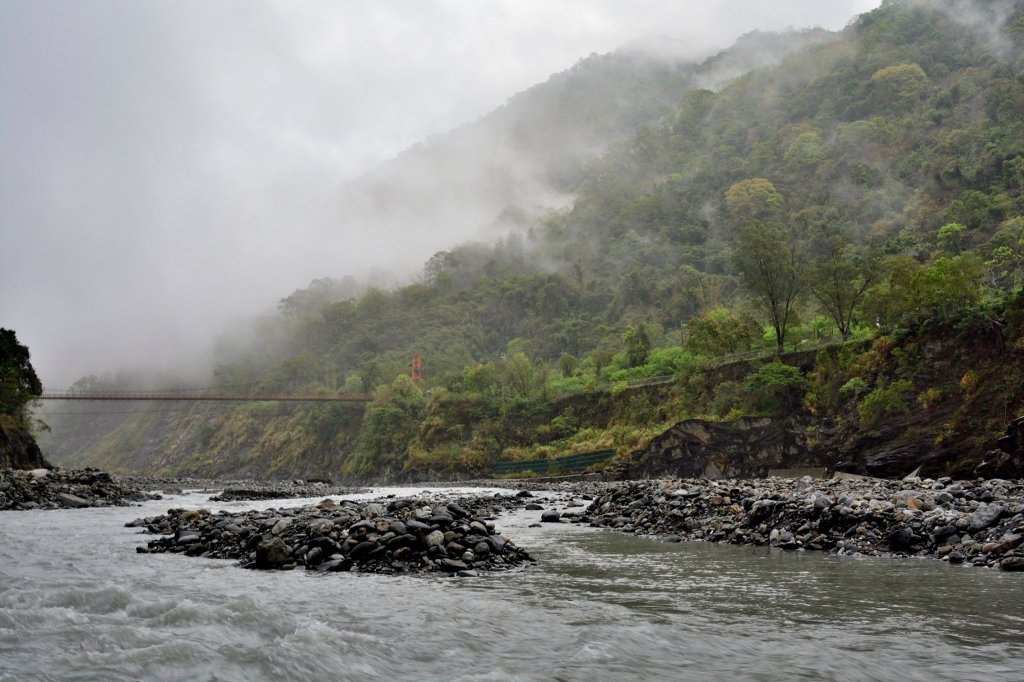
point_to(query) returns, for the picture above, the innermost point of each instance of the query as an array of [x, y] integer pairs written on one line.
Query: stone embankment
[[978, 523], [59, 489], [406, 535]]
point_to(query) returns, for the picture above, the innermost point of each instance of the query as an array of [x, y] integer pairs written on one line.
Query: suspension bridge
[[195, 396]]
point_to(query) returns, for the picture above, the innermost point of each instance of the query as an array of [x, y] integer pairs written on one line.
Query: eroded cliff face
[[743, 448], [18, 449], [750, 447]]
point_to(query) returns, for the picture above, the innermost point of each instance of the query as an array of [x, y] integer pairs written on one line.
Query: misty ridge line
[[526, 157], [433, 196], [749, 53], [496, 179]]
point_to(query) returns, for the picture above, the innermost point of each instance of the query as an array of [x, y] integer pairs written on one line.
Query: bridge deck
[[199, 396]]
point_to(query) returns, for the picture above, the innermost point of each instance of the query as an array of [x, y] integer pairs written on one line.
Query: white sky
[[167, 168]]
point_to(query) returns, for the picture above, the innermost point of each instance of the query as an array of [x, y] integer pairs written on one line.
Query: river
[[77, 603]]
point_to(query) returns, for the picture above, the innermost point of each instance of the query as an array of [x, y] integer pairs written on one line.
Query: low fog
[[168, 170]]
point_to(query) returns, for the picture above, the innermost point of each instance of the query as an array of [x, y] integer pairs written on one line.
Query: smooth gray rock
[[69, 500], [412, 525], [363, 526], [362, 549], [984, 516], [452, 565], [901, 538], [314, 556], [334, 565]]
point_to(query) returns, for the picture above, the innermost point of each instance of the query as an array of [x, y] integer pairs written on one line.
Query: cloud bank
[[167, 169]]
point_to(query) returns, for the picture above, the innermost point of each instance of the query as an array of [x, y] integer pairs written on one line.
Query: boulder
[[272, 553]]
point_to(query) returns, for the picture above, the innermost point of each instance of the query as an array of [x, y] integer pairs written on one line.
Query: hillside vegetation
[[866, 190], [19, 387]]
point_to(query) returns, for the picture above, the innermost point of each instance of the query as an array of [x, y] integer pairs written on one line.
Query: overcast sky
[[167, 168]]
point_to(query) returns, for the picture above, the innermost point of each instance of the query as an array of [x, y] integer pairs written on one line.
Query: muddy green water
[[77, 603]]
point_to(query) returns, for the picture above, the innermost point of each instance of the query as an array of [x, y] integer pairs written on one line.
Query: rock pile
[[1008, 458], [280, 490], [407, 535], [57, 489], [979, 523]]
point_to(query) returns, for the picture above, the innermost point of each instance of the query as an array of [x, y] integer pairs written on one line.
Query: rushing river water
[[77, 603]]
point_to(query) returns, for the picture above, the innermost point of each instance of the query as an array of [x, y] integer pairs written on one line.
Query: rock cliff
[[18, 449], [744, 448]]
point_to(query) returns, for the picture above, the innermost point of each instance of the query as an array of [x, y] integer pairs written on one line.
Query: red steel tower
[[416, 373]]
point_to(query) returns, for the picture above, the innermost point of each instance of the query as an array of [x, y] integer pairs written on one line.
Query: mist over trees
[[872, 179]]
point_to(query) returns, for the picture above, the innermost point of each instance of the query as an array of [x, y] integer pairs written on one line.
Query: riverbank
[[978, 523], [60, 489]]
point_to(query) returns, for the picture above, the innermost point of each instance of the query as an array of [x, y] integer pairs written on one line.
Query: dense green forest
[[868, 184]]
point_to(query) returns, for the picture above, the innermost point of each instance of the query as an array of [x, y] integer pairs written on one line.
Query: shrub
[[720, 332], [854, 388], [929, 398], [728, 395], [884, 401], [672, 360], [774, 386], [969, 381], [577, 384], [568, 363]]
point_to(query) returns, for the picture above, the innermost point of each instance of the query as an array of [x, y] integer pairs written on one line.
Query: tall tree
[[637, 344], [769, 262], [839, 280], [19, 384]]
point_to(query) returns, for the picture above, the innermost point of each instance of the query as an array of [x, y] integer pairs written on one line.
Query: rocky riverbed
[[979, 523], [281, 490], [60, 489], [398, 535]]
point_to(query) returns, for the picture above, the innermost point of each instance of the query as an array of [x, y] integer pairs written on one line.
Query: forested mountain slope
[[867, 185], [508, 167]]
